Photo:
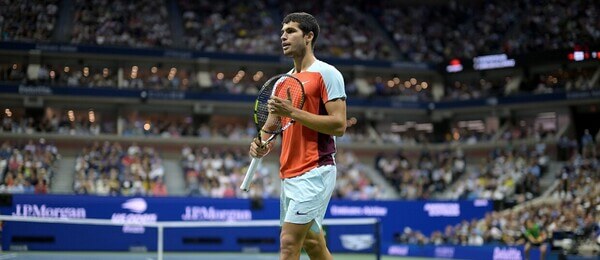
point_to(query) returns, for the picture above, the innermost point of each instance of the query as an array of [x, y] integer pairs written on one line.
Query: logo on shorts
[[301, 214]]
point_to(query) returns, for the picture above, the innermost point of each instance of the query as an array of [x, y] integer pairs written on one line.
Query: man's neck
[[302, 63]]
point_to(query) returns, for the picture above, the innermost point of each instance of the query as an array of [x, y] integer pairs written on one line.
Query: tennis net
[[249, 242]]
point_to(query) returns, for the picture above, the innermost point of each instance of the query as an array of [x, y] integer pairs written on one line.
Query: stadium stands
[[28, 21], [27, 168], [129, 23], [152, 98], [109, 169]]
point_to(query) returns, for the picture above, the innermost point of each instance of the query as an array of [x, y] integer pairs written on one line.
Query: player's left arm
[[334, 123], [333, 96]]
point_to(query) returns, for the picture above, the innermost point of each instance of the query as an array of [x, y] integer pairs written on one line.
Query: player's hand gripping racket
[[268, 126]]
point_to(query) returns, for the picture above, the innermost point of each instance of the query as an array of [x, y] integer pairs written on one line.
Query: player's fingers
[[252, 151], [275, 100], [289, 95], [350, 122]]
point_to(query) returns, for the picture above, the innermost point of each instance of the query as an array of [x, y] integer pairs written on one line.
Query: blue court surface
[[171, 256]]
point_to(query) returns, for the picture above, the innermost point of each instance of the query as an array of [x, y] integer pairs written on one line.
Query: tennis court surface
[[171, 256]]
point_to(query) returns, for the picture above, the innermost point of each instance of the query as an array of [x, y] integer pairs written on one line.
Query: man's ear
[[309, 37]]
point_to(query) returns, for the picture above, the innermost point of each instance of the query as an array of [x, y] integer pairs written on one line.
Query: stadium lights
[[454, 66], [583, 55], [495, 61]]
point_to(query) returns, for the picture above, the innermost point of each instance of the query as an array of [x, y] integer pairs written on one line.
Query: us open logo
[[357, 242], [136, 217]]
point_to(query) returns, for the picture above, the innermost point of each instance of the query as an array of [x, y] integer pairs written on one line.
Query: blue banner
[[394, 216], [492, 252]]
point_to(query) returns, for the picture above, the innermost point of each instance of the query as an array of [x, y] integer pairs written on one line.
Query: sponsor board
[[442, 209], [196, 213], [357, 242], [43, 211], [358, 211]]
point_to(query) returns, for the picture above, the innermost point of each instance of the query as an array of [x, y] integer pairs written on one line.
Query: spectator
[[535, 237]]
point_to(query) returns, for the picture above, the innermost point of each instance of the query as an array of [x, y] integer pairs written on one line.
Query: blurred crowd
[[28, 20], [27, 168], [230, 26], [353, 181], [380, 30], [142, 23], [105, 168], [505, 174], [219, 173], [431, 173], [570, 211]]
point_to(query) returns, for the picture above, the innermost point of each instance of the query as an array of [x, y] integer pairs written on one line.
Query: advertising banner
[[492, 252], [425, 216]]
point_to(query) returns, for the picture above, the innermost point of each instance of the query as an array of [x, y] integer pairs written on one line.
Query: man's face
[[529, 223], [293, 41]]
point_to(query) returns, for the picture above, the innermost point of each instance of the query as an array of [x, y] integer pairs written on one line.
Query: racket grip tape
[[250, 174]]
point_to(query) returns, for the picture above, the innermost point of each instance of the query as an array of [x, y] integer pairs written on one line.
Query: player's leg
[[291, 240], [293, 230], [316, 247], [314, 243], [304, 202]]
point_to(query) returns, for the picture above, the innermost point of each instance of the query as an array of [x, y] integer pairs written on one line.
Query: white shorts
[[305, 198]]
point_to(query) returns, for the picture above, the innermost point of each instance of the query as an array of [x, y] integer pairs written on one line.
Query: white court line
[[8, 256]]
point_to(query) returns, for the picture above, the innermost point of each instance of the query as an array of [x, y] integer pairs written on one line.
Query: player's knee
[[312, 245], [289, 245]]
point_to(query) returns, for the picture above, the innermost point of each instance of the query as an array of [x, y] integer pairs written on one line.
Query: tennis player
[[308, 170]]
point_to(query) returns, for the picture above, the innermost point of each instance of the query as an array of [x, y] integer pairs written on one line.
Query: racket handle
[[250, 174]]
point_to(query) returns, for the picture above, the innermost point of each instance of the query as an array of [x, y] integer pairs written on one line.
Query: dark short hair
[[307, 22]]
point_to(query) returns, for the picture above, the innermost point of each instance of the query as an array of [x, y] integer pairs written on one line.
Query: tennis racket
[[268, 126]]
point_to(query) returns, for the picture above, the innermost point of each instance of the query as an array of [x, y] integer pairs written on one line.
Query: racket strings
[[290, 89], [284, 87], [262, 113]]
